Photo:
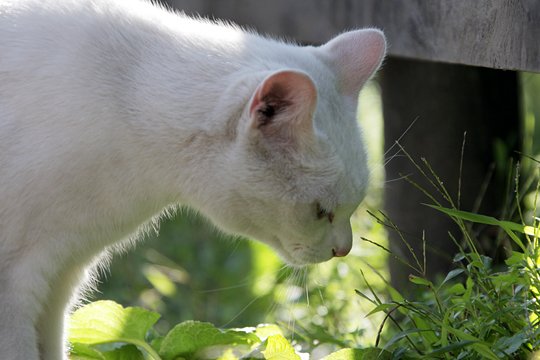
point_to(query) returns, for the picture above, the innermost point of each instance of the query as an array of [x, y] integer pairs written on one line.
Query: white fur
[[113, 110]]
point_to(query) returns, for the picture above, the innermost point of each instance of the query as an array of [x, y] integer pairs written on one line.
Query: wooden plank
[[501, 34]]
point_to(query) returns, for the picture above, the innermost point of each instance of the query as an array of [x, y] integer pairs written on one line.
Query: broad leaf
[[191, 336], [420, 281], [127, 352], [106, 321], [84, 352], [452, 274], [508, 226], [278, 348], [103, 322]]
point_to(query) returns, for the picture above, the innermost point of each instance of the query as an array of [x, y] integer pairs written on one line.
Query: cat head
[[298, 169]]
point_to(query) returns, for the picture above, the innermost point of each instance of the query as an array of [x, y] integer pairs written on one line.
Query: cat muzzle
[[340, 252]]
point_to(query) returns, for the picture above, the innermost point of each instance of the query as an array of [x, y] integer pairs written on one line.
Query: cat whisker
[[321, 296], [271, 309], [225, 288], [290, 297], [241, 311], [319, 286], [280, 273], [247, 281], [306, 288]]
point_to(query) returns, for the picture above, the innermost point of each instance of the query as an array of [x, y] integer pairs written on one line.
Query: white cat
[[113, 110]]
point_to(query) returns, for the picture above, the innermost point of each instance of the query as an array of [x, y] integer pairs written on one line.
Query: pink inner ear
[[292, 92], [277, 88], [355, 56], [256, 102]]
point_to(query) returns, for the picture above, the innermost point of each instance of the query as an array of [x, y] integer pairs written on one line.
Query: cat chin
[[299, 257], [300, 261]]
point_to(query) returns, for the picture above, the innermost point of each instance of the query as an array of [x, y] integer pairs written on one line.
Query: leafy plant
[[489, 314], [481, 310], [105, 330]]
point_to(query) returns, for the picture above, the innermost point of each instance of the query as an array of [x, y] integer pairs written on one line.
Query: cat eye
[[323, 213]]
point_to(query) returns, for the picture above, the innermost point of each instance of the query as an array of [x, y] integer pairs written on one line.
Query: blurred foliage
[[531, 137], [531, 109]]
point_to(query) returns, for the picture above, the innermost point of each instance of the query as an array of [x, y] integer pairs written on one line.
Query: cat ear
[[355, 56], [282, 107]]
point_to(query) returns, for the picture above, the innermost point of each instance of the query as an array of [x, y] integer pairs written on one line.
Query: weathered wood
[[446, 100], [501, 34]]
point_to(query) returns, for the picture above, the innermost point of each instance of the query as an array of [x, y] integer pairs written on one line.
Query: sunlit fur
[[111, 111]]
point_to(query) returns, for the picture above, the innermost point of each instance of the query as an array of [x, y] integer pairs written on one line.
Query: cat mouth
[[284, 254], [299, 255]]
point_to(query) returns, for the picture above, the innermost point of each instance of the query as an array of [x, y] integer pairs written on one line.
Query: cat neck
[[183, 107]]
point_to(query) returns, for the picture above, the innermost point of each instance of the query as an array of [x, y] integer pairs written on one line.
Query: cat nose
[[342, 239], [340, 252]]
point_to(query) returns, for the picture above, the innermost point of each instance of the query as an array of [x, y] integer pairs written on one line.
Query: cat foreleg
[[52, 325], [18, 340], [50, 329]]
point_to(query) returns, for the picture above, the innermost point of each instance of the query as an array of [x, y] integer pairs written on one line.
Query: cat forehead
[[339, 176], [336, 122]]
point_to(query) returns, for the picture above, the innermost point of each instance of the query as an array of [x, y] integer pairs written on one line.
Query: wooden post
[[447, 100]]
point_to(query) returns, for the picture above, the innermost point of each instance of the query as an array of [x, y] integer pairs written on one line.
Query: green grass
[[480, 310]]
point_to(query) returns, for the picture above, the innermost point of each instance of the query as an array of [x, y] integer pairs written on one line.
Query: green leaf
[[420, 281], [228, 355], [278, 348], [485, 351], [452, 274], [509, 345], [478, 346], [465, 215], [84, 352], [127, 352], [263, 331], [106, 321], [381, 307], [458, 257], [428, 332], [359, 354], [401, 335], [508, 226], [469, 284], [103, 322], [191, 336], [456, 289], [358, 292], [517, 258], [395, 295], [449, 348]]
